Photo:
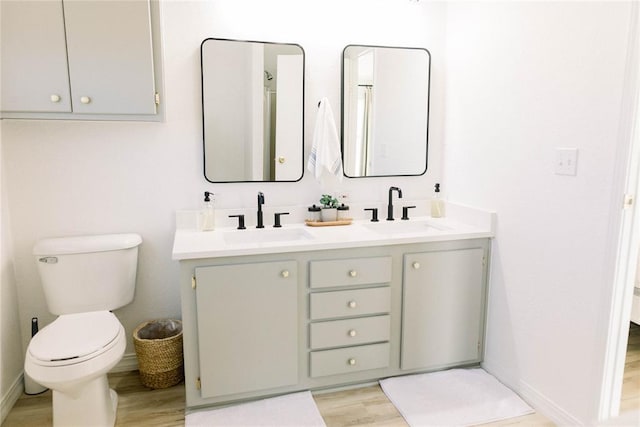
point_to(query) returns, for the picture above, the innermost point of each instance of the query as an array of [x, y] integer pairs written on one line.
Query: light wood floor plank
[[366, 406]]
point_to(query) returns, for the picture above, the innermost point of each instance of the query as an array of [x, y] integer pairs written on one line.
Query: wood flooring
[[366, 406], [631, 379]]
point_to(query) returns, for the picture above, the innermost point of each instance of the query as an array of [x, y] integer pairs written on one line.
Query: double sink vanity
[[277, 310]]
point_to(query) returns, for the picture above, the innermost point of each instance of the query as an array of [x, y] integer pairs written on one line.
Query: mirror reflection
[[385, 110], [252, 110]]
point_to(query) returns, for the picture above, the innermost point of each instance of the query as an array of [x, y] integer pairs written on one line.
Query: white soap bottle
[[437, 204], [207, 216]]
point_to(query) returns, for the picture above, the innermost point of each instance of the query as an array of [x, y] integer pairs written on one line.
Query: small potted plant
[[329, 205]]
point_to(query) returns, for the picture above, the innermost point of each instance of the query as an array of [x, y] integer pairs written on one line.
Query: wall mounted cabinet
[[261, 325], [80, 59]]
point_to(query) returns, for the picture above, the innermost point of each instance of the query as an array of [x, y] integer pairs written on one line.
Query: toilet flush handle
[[49, 260]]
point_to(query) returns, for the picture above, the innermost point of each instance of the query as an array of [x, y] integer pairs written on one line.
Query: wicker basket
[[158, 346]]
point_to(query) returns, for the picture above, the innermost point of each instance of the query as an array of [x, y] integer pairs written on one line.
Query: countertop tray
[[312, 223]]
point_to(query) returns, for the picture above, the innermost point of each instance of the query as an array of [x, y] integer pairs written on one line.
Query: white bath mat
[[296, 409], [458, 397]]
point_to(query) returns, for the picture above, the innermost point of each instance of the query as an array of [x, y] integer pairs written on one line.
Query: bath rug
[[298, 409], [457, 397]]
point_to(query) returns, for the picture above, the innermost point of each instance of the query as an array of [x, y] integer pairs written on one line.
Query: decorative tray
[[312, 223]]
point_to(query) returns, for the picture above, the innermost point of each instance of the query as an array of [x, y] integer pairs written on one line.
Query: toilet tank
[[87, 273]]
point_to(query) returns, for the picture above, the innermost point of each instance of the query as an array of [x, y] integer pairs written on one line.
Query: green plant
[[328, 201]]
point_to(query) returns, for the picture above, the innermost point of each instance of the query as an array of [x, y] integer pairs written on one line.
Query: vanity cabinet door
[[247, 318], [443, 308], [33, 57]]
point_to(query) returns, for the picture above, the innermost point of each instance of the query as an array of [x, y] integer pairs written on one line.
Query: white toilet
[[83, 278]]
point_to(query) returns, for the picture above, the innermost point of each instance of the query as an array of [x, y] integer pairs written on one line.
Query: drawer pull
[[352, 304], [352, 333], [85, 99], [351, 362], [285, 273], [416, 265], [353, 273], [55, 98]]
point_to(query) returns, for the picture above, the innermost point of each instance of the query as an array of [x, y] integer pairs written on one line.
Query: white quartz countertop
[[460, 223]]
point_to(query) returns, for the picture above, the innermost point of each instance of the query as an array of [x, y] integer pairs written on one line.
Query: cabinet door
[[443, 308], [247, 327], [33, 57], [110, 56]]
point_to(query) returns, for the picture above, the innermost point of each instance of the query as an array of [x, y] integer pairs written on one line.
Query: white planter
[[329, 214]]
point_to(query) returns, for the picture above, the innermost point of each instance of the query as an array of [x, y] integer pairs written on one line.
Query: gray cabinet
[[350, 272], [88, 59], [443, 306], [33, 57], [349, 328], [259, 325], [247, 327]]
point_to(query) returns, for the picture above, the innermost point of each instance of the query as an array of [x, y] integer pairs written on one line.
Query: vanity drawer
[[346, 272], [339, 333], [358, 302], [350, 359]]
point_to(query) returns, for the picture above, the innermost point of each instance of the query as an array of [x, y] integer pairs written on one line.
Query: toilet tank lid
[[86, 244]]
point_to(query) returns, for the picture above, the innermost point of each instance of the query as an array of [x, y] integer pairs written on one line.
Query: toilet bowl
[[83, 278], [71, 356]]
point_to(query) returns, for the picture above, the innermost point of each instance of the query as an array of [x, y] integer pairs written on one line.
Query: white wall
[[67, 178], [11, 355], [522, 79]]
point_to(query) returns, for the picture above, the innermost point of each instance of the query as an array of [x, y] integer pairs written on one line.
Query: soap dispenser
[[437, 204], [207, 216]]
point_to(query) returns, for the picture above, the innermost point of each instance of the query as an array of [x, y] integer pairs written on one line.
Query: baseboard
[[11, 397], [635, 307], [546, 406], [533, 397], [128, 363]]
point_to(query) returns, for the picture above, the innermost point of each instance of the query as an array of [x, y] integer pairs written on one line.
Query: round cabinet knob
[[281, 159], [353, 273], [285, 273], [351, 361], [85, 99], [352, 304], [416, 265], [352, 333], [55, 98]]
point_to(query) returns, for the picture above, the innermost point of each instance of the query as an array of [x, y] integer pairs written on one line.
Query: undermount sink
[[268, 235], [402, 227]]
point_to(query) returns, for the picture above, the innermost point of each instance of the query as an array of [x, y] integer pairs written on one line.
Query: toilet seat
[[74, 338]]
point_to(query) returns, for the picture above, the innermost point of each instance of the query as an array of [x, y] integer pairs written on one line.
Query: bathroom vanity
[[313, 308]]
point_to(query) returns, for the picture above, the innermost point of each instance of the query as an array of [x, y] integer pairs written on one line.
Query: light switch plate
[[566, 161]]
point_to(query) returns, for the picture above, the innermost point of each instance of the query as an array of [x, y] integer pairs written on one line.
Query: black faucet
[[240, 221], [260, 203], [374, 214], [276, 217], [390, 205]]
